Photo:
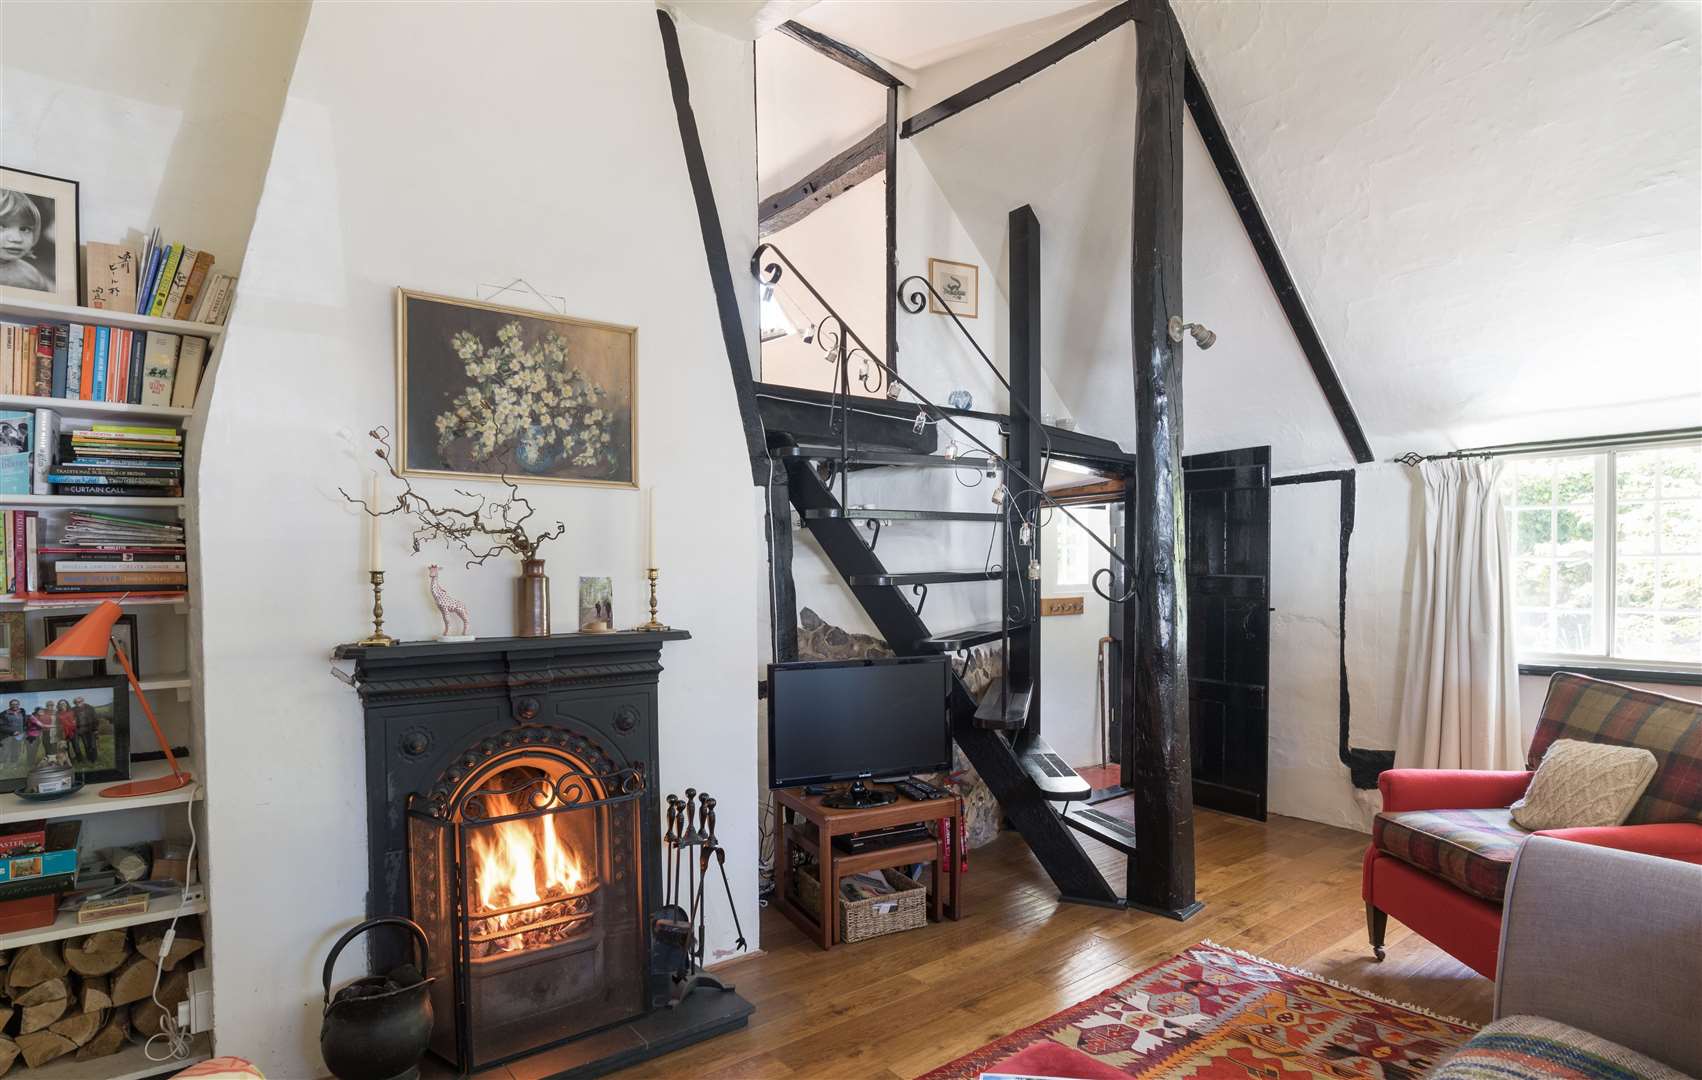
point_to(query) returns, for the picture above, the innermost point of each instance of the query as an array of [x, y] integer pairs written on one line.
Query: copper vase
[[532, 599]]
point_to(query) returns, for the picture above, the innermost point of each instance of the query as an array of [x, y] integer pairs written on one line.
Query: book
[[86, 379], [110, 271], [121, 491], [96, 480], [96, 563], [150, 276], [168, 272], [61, 348], [179, 282], [103, 340], [133, 377], [41, 374], [215, 308], [31, 575], [73, 361], [43, 444], [192, 288], [191, 355], [20, 580], [118, 363], [15, 446], [23, 837]]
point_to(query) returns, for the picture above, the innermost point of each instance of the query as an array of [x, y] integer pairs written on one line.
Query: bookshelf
[[168, 628]]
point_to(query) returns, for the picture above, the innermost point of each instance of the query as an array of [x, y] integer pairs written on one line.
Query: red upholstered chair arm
[[1681, 840], [1449, 789]]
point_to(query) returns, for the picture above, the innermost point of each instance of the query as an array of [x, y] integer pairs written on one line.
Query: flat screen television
[[857, 719]]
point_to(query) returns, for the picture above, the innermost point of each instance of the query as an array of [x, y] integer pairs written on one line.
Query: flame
[[519, 863]]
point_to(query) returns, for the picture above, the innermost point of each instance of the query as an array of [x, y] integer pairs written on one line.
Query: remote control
[[917, 791]]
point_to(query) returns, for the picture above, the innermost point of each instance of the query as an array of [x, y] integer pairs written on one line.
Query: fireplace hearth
[[513, 813]]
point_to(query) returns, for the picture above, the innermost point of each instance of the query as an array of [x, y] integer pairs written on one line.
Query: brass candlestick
[[378, 636], [653, 624]]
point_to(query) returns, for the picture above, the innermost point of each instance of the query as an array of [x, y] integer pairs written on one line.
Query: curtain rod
[[1589, 442]]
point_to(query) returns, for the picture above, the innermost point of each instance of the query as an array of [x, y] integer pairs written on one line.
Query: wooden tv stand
[[943, 893]]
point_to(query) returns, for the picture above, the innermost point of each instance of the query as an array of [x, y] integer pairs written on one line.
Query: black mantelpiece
[[435, 710]]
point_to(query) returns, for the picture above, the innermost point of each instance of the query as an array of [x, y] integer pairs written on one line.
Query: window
[[1073, 554], [1607, 555]]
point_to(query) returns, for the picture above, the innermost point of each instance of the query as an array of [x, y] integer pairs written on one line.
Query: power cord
[[177, 1041]]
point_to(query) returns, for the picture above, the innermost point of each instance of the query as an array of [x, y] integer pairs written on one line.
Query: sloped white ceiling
[[1491, 209]]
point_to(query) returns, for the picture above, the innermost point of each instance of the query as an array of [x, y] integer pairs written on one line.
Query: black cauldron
[[377, 1027]]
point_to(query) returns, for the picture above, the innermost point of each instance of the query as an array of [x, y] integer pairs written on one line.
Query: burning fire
[[521, 863]]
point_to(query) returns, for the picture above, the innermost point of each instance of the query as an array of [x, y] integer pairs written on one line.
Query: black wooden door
[[1229, 562]]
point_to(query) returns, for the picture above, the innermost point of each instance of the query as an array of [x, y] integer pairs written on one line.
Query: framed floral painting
[[484, 391]]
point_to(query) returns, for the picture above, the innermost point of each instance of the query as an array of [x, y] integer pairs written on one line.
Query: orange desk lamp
[[91, 639]]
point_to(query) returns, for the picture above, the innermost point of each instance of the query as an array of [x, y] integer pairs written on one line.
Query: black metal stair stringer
[[1053, 843]]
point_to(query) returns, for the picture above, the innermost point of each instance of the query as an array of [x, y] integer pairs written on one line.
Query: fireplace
[[513, 814]]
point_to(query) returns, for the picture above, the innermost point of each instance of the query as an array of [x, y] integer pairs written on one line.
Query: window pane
[[1681, 528], [1637, 528], [1636, 583], [1669, 638], [1536, 533], [1532, 482], [1575, 532], [1636, 637], [1572, 633], [1681, 583], [1681, 473], [1575, 585], [1636, 473], [1531, 580], [1682, 638], [1534, 633], [1575, 480]]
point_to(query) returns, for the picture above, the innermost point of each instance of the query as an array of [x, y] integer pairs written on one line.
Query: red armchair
[[1441, 849]]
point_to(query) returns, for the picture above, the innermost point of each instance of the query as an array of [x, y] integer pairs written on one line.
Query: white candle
[[375, 530], [650, 528]]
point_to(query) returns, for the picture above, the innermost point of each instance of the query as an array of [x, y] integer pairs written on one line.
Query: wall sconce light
[[1204, 338]]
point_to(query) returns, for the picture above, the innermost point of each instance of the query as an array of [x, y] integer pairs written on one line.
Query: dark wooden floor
[[1287, 890]]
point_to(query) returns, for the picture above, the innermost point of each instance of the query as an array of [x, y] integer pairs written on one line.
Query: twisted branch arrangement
[[492, 526]]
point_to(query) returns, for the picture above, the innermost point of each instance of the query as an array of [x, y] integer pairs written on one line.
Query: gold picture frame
[[951, 280], [579, 423]]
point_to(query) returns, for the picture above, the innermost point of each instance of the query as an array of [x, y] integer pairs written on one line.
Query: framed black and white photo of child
[[38, 238]]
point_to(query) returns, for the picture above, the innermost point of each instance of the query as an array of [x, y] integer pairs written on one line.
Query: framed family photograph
[[484, 391], [38, 238], [959, 284], [123, 632], [83, 723]]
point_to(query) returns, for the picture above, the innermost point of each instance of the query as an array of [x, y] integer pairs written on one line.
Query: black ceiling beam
[[1072, 42], [833, 178], [839, 53], [1276, 270]]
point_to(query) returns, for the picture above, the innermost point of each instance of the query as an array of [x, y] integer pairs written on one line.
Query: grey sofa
[[1600, 969]]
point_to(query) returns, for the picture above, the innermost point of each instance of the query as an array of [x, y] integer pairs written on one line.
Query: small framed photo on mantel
[[958, 284], [38, 238]]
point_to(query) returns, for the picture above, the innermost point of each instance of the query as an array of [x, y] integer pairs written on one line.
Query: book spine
[[197, 278], [133, 376], [107, 479], [190, 357], [23, 370], [107, 581], [103, 340], [122, 491], [179, 282], [41, 381], [73, 360], [118, 366], [174, 255], [20, 581], [86, 379], [150, 276], [32, 575], [61, 350], [119, 566], [46, 437], [6, 548]]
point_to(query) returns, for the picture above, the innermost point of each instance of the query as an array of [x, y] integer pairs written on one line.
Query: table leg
[[829, 889], [936, 899], [954, 871], [783, 856]]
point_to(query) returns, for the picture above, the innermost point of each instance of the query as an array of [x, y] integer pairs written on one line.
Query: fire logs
[[85, 996], [536, 927]]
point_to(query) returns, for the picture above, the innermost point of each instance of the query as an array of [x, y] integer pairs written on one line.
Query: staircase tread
[[1108, 829], [839, 514], [963, 638], [1051, 773], [924, 577], [857, 456], [993, 713]]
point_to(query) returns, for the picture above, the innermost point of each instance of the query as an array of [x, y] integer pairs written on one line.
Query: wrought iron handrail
[[771, 273]]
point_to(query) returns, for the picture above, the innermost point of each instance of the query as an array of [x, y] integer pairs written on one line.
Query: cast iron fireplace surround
[[555, 737]]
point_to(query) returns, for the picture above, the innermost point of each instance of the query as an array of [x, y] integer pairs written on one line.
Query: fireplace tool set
[[680, 932]]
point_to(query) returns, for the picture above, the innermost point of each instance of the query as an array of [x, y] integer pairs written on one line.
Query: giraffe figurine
[[446, 606]]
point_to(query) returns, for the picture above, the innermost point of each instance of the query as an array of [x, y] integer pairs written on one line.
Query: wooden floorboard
[[1285, 889]]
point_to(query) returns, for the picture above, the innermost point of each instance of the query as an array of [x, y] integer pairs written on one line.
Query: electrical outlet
[[194, 893]]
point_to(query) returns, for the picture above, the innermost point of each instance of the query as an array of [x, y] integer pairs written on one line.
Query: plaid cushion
[[1473, 849], [1520, 1047], [1591, 710]]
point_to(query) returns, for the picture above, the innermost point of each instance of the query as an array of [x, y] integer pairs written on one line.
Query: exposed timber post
[[1161, 871], [1024, 452]]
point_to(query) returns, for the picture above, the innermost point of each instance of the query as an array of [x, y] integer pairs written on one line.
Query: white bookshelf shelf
[[78, 502], [130, 1063], [104, 317], [90, 801], [66, 925], [76, 407], [178, 602]]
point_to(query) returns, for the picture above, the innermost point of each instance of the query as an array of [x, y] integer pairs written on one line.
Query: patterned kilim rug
[[1212, 1013]]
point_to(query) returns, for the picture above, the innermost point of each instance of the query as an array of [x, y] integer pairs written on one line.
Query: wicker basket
[[860, 920]]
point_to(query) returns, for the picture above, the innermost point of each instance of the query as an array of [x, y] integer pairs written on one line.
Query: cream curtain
[[1460, 704]]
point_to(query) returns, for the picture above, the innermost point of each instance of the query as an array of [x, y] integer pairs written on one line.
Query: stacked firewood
[[90, 996]]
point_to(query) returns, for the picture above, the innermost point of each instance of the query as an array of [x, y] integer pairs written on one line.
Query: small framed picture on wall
[[38, 238], [958, 284], [123, 632]]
